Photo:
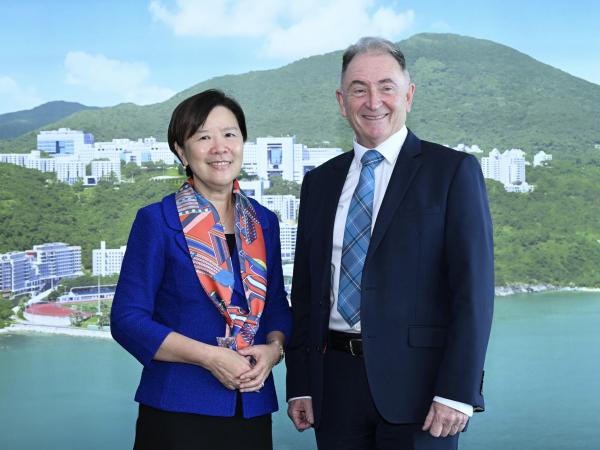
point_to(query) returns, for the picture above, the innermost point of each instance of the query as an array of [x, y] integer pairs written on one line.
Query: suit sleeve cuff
[[298, 398], [459, 406]]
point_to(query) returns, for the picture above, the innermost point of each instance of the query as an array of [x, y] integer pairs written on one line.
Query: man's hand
[[442, 421], [301, 412]]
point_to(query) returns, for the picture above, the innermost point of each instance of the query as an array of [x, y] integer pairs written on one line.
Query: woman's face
[[214, 152]]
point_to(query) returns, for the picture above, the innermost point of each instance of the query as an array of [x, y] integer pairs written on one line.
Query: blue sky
[[106, 52]]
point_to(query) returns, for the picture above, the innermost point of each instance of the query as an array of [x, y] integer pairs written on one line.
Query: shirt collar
[[389, 149]]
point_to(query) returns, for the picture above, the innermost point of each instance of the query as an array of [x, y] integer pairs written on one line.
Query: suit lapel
[[404, 172], [171, 216]]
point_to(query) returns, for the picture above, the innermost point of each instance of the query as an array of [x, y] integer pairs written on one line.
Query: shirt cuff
[[464, 408], [298, 398]]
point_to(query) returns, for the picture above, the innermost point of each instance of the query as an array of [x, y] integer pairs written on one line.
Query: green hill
[[468, 90], [550, 236], [20, 122], [35, 208]]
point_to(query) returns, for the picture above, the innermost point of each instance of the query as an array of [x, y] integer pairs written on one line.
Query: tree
[[244, 176], [279, 186], [130, 170]]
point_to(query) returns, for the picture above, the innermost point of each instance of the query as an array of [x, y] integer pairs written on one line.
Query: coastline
[[500, 291], [512, 289], [48, 329]]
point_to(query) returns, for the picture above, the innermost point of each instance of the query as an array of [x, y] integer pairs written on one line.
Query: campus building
[[17, 274], [508, 168], [287, 235], [63, 141], [57, 260], [27, 271], [270, 157], [540, 158], [107, 261]]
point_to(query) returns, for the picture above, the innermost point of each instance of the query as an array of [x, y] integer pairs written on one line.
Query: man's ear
[[340, 98], [410, 95]]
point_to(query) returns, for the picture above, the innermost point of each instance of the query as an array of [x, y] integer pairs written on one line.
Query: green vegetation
[[551, 235], [83, 310], [34, 209], [244, 176], [17, 123], [548, 236], [468, 90], [5, 312], [279, 186]]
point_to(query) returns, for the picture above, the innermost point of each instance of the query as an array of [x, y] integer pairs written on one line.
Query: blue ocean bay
[[542, 385]]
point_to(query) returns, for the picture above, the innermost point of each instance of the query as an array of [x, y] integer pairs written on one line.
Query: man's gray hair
[[375, 45]]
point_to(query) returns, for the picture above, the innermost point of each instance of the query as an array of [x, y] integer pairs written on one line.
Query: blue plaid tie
[[356, 239]]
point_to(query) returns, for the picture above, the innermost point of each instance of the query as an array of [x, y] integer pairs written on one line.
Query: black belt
[[346, 342]]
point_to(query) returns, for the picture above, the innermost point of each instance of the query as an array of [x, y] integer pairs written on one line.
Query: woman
[[200, 300]]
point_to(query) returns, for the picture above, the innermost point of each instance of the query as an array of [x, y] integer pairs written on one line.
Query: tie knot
[[371, 158]]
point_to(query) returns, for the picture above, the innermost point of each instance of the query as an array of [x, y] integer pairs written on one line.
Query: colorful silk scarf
[[205, 237]]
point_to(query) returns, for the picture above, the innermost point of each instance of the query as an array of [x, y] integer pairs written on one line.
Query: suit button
[[318, 348]]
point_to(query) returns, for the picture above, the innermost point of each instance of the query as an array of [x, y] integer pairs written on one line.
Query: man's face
[[375, 97]]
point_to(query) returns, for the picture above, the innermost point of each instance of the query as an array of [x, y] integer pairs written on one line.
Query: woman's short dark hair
[[191, 114]]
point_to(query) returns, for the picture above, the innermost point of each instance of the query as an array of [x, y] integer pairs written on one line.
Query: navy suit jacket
[[159, 292], [427, 285]]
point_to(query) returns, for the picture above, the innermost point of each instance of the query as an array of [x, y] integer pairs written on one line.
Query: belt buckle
[[350, 342]]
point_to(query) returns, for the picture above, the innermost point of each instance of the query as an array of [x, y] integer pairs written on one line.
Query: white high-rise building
[[490, 165], [285, 205], [31, 160], [145, 150], [508, 168], [88, 153], [107, 261], [101, 169], [69, 170], [540, 158], [35, 161], [254, 188], [17, 159], [57, 260], [18, 275], [287, 236], [63, 141], [313, 157], [512, 169], [282, 156], [26, 271]]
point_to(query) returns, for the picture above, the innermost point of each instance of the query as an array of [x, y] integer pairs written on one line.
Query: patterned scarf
[[205, 237]]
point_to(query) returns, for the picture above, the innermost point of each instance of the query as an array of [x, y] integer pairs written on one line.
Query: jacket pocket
[[421, 336]]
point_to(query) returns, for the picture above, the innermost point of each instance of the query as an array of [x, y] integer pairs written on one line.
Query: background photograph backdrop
[[490, 75]]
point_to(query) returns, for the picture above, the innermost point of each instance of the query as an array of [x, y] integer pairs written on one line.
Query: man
[[393, 279]]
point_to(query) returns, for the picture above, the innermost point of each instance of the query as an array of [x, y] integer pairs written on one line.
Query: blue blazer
[[159, 292], [427, 285]]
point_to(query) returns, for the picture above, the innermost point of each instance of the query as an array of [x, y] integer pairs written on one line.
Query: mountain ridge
[[469, 90], [14, 124]]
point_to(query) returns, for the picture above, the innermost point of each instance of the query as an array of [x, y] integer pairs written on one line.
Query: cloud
[[289, 30], [334, 25], [116, 81], [14, 97], [218, 18]]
